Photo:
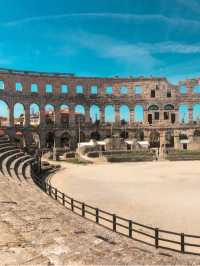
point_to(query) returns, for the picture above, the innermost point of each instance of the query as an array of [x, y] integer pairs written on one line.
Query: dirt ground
[[162, 194]]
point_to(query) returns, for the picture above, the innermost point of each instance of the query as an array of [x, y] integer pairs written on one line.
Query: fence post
[[72, 204], [83, 209], [63, 199], [97, 215], [156, 237], [56, 194], [182, 243], [130, 225], [114, 222]]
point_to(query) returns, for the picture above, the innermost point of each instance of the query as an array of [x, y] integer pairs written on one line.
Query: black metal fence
[[179, 242]]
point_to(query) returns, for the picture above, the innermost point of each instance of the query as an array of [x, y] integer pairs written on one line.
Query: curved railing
[[158, 238]]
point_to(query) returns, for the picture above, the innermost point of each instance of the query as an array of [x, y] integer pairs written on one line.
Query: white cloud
[[137, 18]]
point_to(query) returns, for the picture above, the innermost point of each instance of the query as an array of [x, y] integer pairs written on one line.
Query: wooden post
[[114, 222], [156, 237], [63, 199], [130, 228], [72, 204], [83, 209], [97, 215], [182, 243]]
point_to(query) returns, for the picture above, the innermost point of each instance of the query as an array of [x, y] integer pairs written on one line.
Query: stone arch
[[154, 139], [139, 113], [34, 114], [49, 114], [4, 114], [64, 114], [94, 113], [19, 114], [183, 113], [79, 109], [109, 113], [153, 107], [50, 139], [95, 135], [124, 113], [169, 107], [196, 112]]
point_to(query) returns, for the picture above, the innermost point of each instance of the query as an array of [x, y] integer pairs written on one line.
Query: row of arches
[[109, 114]]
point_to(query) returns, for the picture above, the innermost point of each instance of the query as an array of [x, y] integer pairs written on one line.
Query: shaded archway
[[64, 114], [65, 140], [169, 139], [95, 135], [19, 114], [154, 139], [4, 114], [34, 114], [50, 138]]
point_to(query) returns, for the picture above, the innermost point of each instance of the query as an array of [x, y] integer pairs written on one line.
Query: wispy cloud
[[137, 18]]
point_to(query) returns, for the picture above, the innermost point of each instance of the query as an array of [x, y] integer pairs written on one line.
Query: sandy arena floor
[[162, 194]]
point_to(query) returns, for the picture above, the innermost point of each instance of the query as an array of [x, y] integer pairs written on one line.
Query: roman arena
[[161, 194]]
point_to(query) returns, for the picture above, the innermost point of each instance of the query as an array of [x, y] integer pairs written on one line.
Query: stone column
[[117, 115], [190, 115], [102, 114], [87, 114], [27, 115], [57, 117], [132, 117]]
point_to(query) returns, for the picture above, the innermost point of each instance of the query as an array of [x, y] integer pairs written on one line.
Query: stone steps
[[14, 162]]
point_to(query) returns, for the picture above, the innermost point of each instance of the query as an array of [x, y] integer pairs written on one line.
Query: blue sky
[[102, 37]]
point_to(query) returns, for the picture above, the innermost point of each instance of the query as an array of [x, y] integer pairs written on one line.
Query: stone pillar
[[117, 115], [190, 115], [27, 115], [57, 117], [102, 114], [11, 115], [87, 114], [176, 140], [145, 117], [42, 116], [132, 117]]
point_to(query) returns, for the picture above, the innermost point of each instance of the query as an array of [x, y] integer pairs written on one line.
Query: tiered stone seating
[[13, 161]]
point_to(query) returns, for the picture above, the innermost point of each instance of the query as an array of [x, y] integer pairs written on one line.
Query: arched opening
[[154, 139], [124, 113], [139, 134], [196, 112], [95, 135], [79, 109], [34, 114], [49, 114], [4, 114], [183, 113], [123, 90], [95, 113], [50, 137], [124, 134], [65, 140], [64, 115], [109, 114], [35, 139], [139, 113], [169, 139], [19, 114], [80, 114]]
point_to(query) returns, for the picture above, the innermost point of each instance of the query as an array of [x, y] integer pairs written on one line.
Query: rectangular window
[[94, 89], [64, 88], [34, 87], [79, 89], [1, 85], [153, 93], [48, 88], [157, 115], [166, 115], [18, 86], [169, 94]]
